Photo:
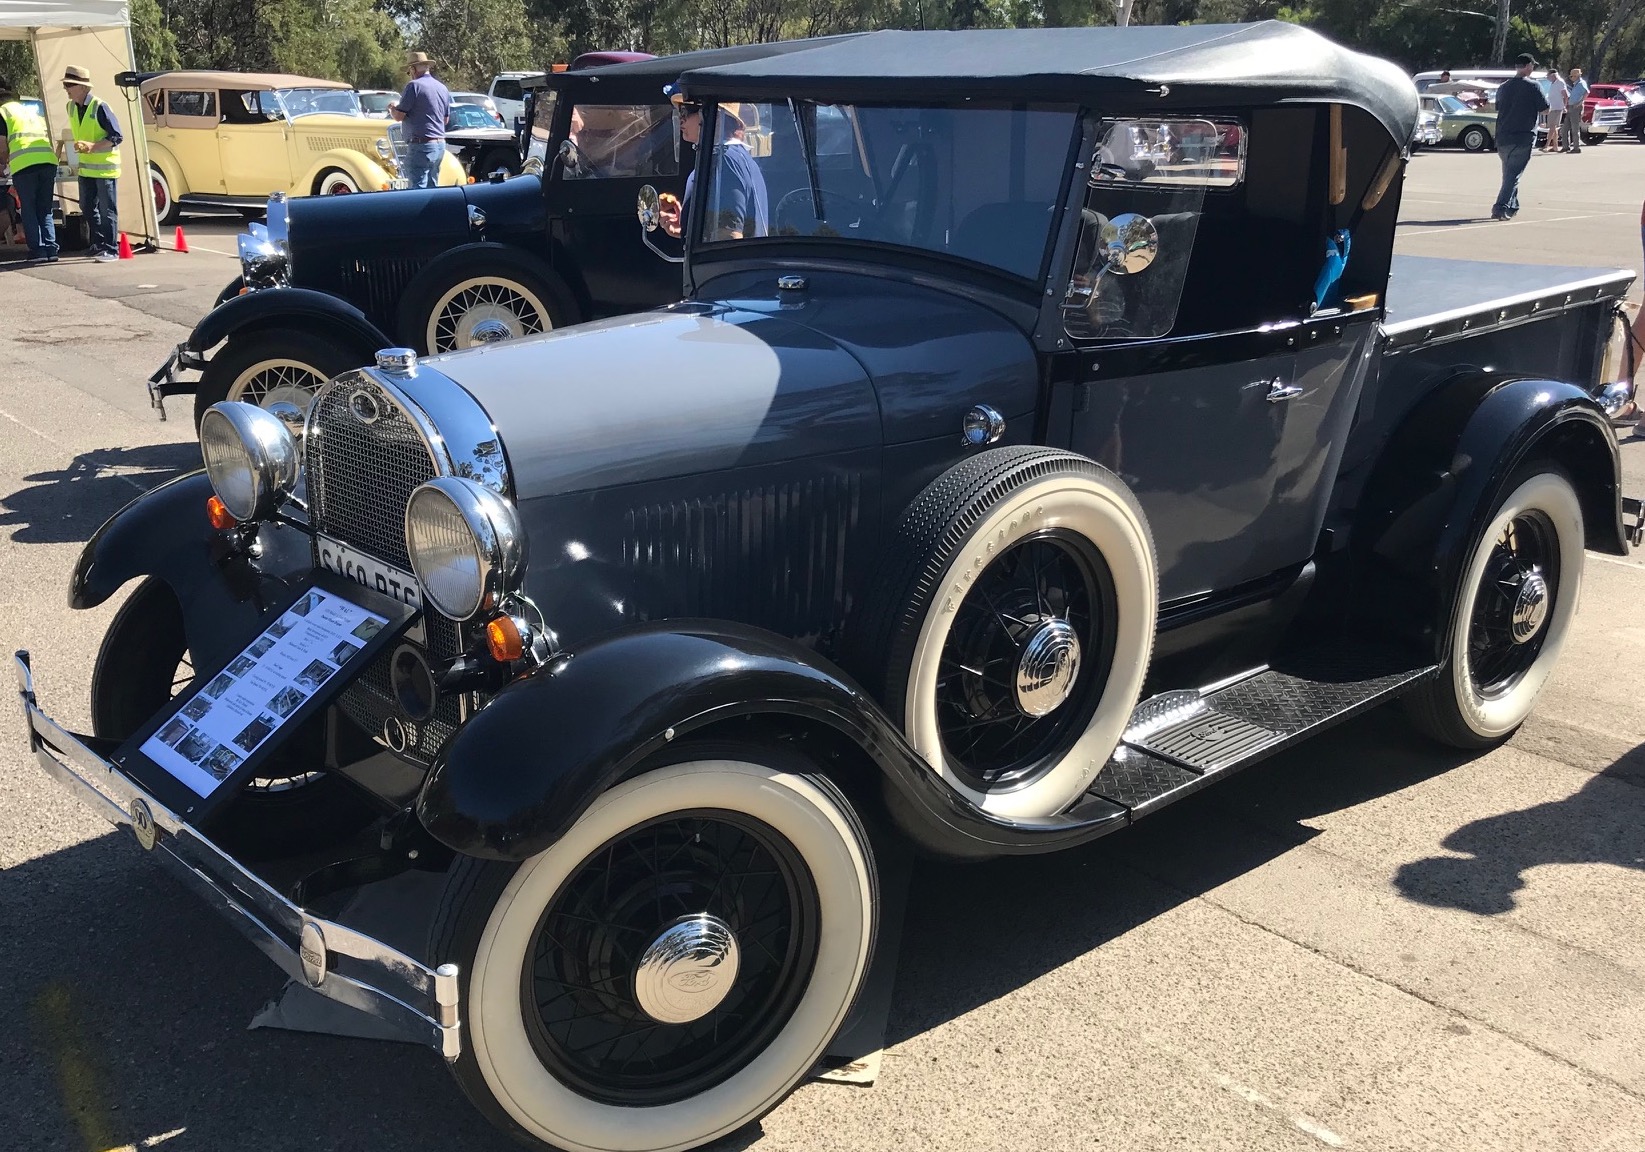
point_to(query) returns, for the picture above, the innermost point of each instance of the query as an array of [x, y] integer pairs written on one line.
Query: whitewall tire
[[522, 939], [1020, 597], [1515, 601]]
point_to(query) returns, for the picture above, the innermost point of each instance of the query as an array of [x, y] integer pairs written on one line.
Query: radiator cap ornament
[[401, 361]]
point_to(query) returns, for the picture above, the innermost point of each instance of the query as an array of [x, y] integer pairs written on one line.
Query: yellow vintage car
[[228, 139]]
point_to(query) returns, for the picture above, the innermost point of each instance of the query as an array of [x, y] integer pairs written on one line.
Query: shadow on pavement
[[1598, 825], [1482, 217], [135, 997], [70, 504]]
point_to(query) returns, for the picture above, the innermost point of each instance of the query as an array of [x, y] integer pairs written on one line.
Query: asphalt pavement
[[1364, 943]]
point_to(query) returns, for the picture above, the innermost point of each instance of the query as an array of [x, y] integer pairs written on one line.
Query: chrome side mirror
[[649, 209], [1130, 243]]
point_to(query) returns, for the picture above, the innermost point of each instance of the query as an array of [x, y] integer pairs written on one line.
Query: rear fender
[[295, 306], [519, 774], [164, 533], [1443, 472]]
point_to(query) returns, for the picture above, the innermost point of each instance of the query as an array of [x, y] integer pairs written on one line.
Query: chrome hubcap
[[1048, 667], [490, 331], [1530, 607], [687, 970]]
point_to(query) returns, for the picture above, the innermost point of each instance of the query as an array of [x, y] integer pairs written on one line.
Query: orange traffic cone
[[182, 244], [125, 247]]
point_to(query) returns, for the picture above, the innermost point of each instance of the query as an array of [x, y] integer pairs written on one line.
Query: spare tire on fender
[[1012, 625]]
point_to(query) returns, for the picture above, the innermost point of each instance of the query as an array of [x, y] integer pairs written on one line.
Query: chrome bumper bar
[[332, 959]]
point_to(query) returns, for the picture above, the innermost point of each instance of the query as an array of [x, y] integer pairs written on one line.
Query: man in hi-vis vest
[[33, 165], [97, 141]]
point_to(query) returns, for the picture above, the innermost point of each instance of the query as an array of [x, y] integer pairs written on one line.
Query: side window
[[248, 107], [506, 90], [622, 140], [543, 104], [1147, 185], [190, 104]]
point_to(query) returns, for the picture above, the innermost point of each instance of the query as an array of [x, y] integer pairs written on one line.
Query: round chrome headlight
[[466, 545], [384, 148], [250, 457]]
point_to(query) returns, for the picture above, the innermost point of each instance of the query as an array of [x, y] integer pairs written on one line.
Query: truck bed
[[1433, 300]]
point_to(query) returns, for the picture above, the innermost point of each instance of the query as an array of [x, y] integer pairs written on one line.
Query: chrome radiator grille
[[363, 457]]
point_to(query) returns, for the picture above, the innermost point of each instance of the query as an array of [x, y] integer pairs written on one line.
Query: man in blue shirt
[[740, 207], [422, 110], [1573, 111], [1519, 103]]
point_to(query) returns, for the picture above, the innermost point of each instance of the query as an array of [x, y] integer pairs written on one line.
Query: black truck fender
[[269, 306], [1444, 470], [221, 590], [522, 771]]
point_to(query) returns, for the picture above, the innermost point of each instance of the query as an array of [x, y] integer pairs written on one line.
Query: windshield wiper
[[808, 141]]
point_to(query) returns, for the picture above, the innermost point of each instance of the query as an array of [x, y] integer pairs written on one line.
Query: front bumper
[[330, 958], [163, 382]]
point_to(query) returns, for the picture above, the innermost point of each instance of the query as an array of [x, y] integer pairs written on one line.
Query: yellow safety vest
[[27, 136], [102, 165]]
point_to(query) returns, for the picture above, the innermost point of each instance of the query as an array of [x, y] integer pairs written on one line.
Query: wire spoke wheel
[[590, 988], [269, 381], [484, 310], [1025, 659], [1506, 625]]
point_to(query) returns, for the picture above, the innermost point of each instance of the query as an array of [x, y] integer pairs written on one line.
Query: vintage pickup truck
[[1048, 431]]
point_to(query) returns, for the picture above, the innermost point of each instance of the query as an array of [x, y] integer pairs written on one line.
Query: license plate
[[369, 572]]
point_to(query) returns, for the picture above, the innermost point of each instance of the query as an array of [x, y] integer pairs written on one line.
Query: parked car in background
[[327, 283], [1604, 113], [1465, 127], [229, 139], [480, 100], [508, 95], [374, 102], [986, 511], [480, 144]]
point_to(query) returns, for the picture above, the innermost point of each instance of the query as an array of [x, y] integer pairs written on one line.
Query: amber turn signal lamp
[[219, 515], [503, 638]]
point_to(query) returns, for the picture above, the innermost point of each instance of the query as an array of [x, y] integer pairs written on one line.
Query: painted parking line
[[1540, 220]]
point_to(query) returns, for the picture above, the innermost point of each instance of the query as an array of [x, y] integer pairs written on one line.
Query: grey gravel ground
[[1365, 943]]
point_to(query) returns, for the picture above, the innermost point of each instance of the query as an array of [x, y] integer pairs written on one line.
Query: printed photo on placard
[[286, 701], [243, 708]]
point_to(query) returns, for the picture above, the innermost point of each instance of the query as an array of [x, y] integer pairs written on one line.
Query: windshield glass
[[376, 103], [977, 183], [1452, 104], [470, 116], [311, 101]]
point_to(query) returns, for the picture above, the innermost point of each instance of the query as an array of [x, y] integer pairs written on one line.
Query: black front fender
[[1445, 469], [299, 306], [164, 533], [517, 776]]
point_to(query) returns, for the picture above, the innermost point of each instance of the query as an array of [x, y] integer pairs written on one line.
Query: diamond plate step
[[1180, 741]]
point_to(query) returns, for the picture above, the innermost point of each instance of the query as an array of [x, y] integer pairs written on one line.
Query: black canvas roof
[[667, 69], [1269, 62]]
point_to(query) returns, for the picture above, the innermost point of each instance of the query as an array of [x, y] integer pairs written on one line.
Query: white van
[[507, 95]]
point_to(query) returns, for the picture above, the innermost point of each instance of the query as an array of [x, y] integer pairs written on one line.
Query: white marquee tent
[[96, 35]]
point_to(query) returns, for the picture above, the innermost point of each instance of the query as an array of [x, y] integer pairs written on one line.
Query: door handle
[[1279, 391]]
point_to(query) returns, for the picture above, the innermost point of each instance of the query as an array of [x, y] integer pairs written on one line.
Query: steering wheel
[[796, 215]]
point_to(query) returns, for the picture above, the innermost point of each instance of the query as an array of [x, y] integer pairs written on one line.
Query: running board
[[1178, 742]]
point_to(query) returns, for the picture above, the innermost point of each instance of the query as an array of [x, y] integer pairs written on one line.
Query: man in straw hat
[[33, 165], [97, 141], [422, 108]]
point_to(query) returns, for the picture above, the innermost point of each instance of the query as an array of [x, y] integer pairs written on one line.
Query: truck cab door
[[618, 149]]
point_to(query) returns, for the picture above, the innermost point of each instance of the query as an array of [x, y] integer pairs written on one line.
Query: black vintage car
[[330, 280], [1040, 441]]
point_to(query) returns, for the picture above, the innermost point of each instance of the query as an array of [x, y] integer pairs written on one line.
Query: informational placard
[[322, 635]]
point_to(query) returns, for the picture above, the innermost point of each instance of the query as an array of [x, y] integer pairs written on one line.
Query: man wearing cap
[[740, 207], [422, 108], [97, 142], [1519, 104], [33, 164]]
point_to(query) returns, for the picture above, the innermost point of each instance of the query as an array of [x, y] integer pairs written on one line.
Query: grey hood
[[674, 392]]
